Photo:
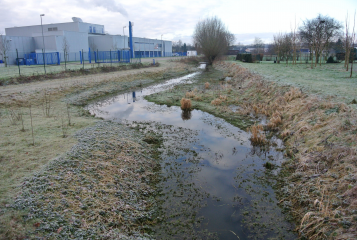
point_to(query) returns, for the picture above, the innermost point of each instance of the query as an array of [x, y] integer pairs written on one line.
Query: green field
[[327, 79]]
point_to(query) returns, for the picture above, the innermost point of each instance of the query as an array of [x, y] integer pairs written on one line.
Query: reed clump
[[216, 102], [186, 104], [207, 85], [191, 94], [292, 94], [258, 136], [275, 120]]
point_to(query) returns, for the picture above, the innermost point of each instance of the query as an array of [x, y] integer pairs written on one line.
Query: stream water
[[214, 184]]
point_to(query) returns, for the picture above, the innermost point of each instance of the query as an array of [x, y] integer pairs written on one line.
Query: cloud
[[111, 6]]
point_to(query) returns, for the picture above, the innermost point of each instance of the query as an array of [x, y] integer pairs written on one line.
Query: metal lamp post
[[43, 40], [162, 45], [124, 35]]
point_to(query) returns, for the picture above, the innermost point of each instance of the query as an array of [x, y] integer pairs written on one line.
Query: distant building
[[79, 36], [191, 53]]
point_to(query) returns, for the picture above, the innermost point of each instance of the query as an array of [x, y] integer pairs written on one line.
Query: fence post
[[89, 56], [17, 54], [97, 57], [83, 59], [58, 58], [111, 58], [80, 56]]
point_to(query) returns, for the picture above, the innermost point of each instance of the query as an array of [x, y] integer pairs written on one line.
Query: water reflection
[[186, 115], [213, 183]]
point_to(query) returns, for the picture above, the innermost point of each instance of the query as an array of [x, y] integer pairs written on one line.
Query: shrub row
[[248, 57]]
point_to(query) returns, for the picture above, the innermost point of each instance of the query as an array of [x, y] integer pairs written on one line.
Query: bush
[[331, 60], [248, 57]]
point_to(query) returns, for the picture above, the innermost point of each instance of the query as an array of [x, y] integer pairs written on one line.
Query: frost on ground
[[101, 188], [319, 180]]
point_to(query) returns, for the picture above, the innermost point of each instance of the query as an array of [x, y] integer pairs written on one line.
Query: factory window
[[53, 29], [93, 29], [90, 29]]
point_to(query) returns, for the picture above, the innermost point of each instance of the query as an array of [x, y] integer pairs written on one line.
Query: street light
[[43, 40], [162, 45]]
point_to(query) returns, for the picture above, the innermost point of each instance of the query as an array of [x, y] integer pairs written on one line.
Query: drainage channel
[[214, 183]]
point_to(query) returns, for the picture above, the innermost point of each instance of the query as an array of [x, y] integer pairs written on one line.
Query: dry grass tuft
[[292, 94], [258, 136], [191, 94], [223, 98], [185, 104], [207, 85], [216, 102], [285, 133], [275, 120]]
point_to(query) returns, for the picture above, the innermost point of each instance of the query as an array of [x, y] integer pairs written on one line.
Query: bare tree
[[212, 38], [348, 43], [259, 45], [353, 38], [278, 43], [318, 33], [5, 45], [65, 48], [294, 42], [286, 47]]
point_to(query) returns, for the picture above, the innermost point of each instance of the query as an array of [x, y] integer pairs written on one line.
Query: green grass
[[13, 70], [326, 80]]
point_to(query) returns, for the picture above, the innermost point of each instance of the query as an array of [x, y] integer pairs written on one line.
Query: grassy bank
[[60, 73], [207, 86], [320, 136], [329, 80], [40, 122], [318, 180]]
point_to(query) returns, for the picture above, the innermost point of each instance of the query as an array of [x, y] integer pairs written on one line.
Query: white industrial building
[[80, 36]]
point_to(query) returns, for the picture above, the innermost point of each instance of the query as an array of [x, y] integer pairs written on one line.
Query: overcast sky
[[176, 19]]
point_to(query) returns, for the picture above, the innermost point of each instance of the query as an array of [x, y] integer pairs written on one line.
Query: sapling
[[64, 128], [69, 116], [33, 139]]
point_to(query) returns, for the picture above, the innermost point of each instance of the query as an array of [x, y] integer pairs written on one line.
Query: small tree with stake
[[212, 38], [65, 47], [5, 46]]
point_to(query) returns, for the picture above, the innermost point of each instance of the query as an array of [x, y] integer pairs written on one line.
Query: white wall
[[30, 30], [107, 42], [85, 27], [22, 44]]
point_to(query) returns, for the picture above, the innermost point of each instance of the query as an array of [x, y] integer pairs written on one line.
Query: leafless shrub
[[258, 136], [46, 103], [69, 116], [212, 38], [64, 127], [14, 116], [33, 138]]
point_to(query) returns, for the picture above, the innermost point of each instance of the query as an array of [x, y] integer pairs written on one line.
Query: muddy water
[[214, 184]]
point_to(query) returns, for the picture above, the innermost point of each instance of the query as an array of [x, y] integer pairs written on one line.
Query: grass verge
[[56, 116]]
